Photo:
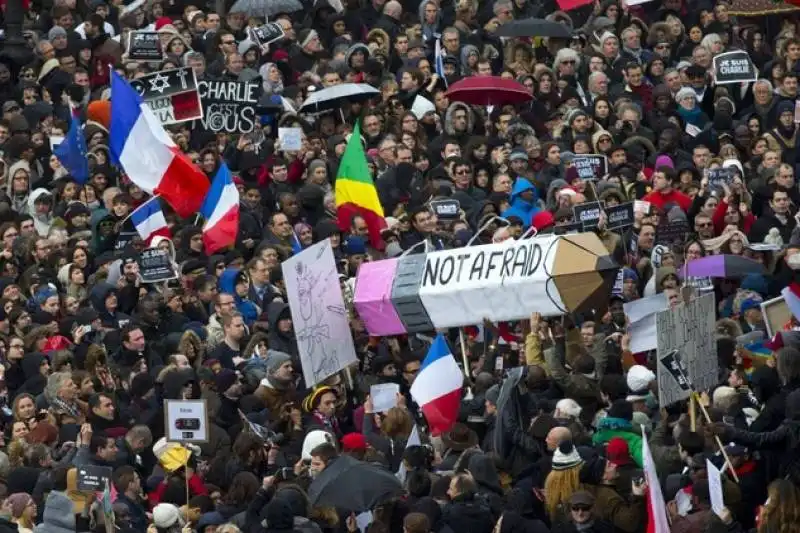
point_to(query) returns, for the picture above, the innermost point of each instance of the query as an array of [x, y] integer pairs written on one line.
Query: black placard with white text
[[171, 94], [588, 214], [733, 67], [268, 33], [619, 217], [145, 46], [155, 265], [590, 166]]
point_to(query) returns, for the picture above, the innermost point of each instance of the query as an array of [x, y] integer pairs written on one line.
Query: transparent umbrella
[[266, 8]]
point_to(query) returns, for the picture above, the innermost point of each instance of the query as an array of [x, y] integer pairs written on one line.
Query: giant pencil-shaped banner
[[550, 274]]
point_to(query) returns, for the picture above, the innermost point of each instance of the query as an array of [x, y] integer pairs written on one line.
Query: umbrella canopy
[[268, 8], [489, 90], [333, 97], [723, 266], [754, 8], [352, 486], [534, 27]]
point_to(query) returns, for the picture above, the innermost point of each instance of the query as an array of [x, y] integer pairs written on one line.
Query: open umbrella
[[352, 486], [723, 266], [534, 27], [266, 8], [333, 97], [489, 90]]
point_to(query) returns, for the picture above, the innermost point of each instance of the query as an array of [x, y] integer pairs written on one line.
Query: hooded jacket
[[97, 297], [279, 341], [227, 283], [58, 514], [19, 202], [42, 222], [524, 209]]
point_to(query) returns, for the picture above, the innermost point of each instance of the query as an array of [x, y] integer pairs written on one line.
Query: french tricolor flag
[[437, 387], [148, 155], [221, 211], [149, 221]]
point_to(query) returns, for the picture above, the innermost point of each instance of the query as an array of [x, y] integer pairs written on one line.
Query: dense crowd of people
[[90, 353]]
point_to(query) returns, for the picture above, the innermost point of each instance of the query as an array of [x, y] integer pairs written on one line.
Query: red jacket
[[196, 488], [660, 199], [719, 219]]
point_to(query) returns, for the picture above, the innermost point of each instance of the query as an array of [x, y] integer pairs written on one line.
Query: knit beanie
[[686, 92], [566, 456]]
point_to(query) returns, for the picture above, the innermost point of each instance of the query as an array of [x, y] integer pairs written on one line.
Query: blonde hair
[[559, 487], [781, 513]]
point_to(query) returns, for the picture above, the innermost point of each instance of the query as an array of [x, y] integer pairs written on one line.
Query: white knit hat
[[566, 456], [165, 515], [638, 380]]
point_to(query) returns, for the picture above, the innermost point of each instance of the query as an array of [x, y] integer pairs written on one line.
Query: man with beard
[[229, 390], [278, 388]]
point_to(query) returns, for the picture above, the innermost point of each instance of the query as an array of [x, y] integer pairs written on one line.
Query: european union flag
[[72, 151]]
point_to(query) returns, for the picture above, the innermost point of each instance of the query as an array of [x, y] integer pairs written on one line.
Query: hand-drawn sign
[[228, 106]]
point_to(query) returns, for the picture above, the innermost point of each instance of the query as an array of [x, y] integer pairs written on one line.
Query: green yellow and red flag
[[355, 191]]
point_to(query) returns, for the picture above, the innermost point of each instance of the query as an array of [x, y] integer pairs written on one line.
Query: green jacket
[[613, 427]]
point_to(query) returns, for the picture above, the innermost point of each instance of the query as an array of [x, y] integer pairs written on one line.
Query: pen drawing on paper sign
[[319, 316]]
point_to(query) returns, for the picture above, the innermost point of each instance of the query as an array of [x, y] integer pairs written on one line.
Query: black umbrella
[[534, 28], [352, 486]]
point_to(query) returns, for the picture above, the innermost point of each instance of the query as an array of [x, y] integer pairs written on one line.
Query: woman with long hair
[[562, 481], [23, 511], [781, 512]]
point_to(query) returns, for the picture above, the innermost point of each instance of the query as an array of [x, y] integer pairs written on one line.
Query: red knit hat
[[542, 220], [162, 21], [354, 442], [617, 451]]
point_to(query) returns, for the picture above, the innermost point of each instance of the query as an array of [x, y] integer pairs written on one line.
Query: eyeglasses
[[463, 172], [568, 61], [583, 508], [702, 224]]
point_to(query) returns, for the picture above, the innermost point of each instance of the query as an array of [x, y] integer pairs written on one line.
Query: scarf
[[330, 423], [691, 116], [612, 423], [61, 406]]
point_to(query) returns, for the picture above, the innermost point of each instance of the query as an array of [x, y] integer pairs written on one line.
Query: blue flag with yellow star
[[72, 151]]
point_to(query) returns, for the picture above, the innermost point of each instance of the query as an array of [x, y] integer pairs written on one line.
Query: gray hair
[[710, 39], [55, 382], [193, 56], [764, 81], [566, 54], [593, 78], [500, 5]]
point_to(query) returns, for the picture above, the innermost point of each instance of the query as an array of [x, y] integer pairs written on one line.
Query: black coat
[[468, 514]]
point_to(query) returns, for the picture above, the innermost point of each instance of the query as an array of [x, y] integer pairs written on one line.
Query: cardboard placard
[[719, 176], [268, 33], [620, 217], [155, 265], [776, 315], [186, 420], [588, 214], [145, 46], [93, 478], [171, 94], [672, 232], [733, 67], [685, 333], [591, 166], [446, 209], [564, 229], [228, 106]]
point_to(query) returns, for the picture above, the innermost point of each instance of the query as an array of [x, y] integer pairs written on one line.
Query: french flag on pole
[[148, 155], [437, 387], [149, 221], [221, 211]]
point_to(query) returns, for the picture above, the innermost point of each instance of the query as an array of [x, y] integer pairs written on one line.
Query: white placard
[[186, 420], [715, 488], [363, 521], [689, 330], [413, 440], [641, 206], [643, 307], [55, 141], [291, 139], [384, 396], [319, 316]]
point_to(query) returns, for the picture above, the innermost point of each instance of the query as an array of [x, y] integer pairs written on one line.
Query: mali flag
[[355, 191]]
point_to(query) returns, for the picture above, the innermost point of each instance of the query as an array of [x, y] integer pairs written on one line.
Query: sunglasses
[[584, 508]]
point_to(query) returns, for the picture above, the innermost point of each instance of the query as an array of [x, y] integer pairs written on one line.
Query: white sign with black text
[[186, 420]]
